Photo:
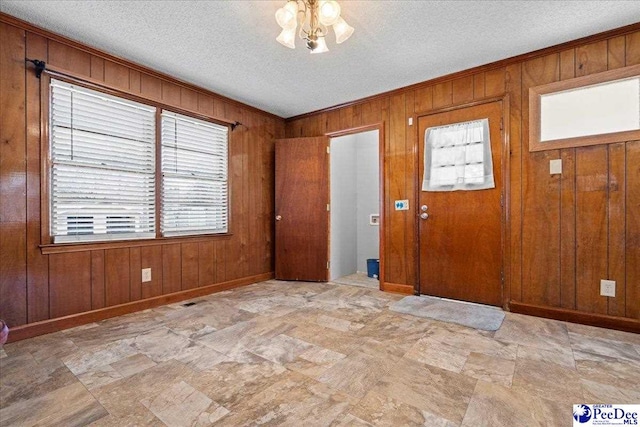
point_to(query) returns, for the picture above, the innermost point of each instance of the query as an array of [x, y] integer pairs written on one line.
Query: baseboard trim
[[53, 325], [396, 288], [573, 316]]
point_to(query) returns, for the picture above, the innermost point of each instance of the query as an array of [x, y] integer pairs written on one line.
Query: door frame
[[381, 177], [505, 162]]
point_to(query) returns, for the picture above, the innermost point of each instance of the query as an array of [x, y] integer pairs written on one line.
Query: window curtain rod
[[41, 67]]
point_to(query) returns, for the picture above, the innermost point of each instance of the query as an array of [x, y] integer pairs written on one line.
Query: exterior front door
[[460, 232]]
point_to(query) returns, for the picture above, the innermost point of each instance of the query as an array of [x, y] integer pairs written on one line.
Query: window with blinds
[[194, 176], [102, 154]]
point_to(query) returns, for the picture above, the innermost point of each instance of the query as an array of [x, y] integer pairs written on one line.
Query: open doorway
[[355, 209]]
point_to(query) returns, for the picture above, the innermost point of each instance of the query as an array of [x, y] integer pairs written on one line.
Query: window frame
[[102, 221], [46, 238], [166, 233], [535, 95]]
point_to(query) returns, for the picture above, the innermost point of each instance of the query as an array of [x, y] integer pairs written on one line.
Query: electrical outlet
[[608, 288], [146, 274]]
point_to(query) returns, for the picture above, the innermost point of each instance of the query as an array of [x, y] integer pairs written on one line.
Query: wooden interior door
[[302, 218], [461, 239]]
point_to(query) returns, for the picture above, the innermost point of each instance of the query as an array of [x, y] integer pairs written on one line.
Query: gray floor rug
[[463, 313]]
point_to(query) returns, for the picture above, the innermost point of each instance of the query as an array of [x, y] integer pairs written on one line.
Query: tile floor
[[312, 354], [359, 279]]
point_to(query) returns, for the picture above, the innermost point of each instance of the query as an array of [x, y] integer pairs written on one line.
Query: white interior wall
[[343, 231], [354, 196], [368, 197]]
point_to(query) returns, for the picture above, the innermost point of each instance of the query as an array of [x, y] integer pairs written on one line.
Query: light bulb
[[321, 47], [292, 6], [285, 18], [343, 30], [329, 11], [288, 38]]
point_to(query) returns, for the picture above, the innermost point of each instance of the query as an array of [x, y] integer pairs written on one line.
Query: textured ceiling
[[229, 46]]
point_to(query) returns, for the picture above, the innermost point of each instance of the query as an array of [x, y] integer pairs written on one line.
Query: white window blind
[[458, 157], [194, 176], [102, 152]]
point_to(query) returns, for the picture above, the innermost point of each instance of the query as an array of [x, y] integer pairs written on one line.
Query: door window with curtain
[[458, 157]]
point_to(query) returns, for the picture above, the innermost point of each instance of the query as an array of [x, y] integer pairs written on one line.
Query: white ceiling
[[229, 46]]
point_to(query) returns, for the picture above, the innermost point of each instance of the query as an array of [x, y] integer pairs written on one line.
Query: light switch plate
[[608, 288], [402, 205], [146, 275], [555, 166]]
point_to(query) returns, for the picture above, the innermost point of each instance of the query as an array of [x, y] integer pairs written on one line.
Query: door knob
[[278, 217], [424, 215], [423, 208]]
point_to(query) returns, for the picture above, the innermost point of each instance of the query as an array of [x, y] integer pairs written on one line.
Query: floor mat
[[463, 313]]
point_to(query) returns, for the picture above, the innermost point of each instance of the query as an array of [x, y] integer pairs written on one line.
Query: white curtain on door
[[458, 157]]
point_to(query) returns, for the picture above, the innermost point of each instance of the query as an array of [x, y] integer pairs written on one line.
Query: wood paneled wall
[[35, 287], [566, 232]]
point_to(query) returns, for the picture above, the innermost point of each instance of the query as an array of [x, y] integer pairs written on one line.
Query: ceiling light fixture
[[313, 17]]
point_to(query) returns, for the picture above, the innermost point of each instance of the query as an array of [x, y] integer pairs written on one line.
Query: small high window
[[597, 109]]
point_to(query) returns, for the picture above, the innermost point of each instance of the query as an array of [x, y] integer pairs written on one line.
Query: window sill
[[59, 248]]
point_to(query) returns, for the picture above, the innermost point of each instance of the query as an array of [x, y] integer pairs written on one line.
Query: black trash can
[[373, 268]]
